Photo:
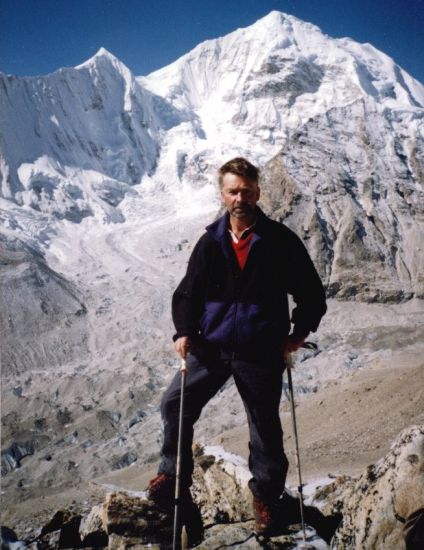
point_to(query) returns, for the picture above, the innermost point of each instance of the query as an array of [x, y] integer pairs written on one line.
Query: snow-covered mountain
[[344, 125], [107, 180], [256, 85], [341, 118], [79, 137]]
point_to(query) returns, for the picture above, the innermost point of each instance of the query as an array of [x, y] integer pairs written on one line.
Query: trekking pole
[[177, 530], [289, 365]]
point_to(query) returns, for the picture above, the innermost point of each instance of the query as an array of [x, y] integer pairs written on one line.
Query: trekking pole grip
[[288, 361]]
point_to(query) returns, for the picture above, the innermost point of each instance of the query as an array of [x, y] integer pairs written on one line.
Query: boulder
[[220, 486], [134, 517], [241, 535], [331, 497], [49, 541], [221, 490], [9, 539], [64, 525], [91, 529], [117, 542], [389, 492]]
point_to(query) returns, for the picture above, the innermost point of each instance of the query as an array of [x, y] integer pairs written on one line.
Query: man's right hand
[[291, 344], [182, 346]]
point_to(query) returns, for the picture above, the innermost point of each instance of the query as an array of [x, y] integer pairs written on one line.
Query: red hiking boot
[[265, 517], [161, 491]]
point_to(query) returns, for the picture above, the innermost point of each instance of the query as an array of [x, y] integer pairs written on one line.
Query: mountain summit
[[344, 126], [282, 57]]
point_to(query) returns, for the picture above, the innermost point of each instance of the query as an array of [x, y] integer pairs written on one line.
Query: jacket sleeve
[[188, 299], [305, 285]]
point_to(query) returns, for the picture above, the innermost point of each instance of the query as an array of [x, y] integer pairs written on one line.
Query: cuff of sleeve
[[299, 333], [180, 335]]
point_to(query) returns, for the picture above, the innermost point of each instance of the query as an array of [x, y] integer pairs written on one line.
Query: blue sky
[[40, 36]]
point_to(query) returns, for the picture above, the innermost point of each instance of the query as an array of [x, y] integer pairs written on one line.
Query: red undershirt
[[241, 248]]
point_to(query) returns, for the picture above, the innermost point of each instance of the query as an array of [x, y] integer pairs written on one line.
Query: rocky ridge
[[373, 509]]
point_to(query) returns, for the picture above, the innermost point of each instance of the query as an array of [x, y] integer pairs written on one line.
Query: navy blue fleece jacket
[[247, 310]]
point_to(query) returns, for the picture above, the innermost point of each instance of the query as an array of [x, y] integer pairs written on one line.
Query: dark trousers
[[259, 383]]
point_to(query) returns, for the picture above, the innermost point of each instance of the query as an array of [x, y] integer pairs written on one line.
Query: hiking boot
[[265, 517], [325, 526], [161, 491], [290, 508], [192, 519]]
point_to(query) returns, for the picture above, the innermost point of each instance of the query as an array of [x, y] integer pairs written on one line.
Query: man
[[232, 318]]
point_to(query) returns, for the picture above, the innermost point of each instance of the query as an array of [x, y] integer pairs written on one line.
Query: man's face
[[239, 196]]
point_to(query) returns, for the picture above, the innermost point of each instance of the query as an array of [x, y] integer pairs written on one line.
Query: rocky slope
[[365, 513]]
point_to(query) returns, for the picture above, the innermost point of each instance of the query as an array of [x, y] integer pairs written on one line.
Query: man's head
[[238, 182], [239, 167]]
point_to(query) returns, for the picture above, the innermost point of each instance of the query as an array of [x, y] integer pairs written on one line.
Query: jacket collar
[[219, 228]]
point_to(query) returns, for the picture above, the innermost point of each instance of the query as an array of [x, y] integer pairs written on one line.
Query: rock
[[221, 490], [69, 533], [331, 497], [50, 541], [117, 542], [55, 523], [131, 516], [119, 462], [11, 457], [64, 416], [92, 522], [9, 540], [7, 535], [91, 529], [98, 539], [220, 535], [138, 417], [220, 486], [17, 390], [241, 535], [67, 523], [386, 494]]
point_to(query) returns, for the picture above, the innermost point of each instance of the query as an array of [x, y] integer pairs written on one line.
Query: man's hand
[[290, 344], [182, 346]]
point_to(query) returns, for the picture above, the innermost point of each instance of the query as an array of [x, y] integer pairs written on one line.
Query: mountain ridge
[[88, 141]]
